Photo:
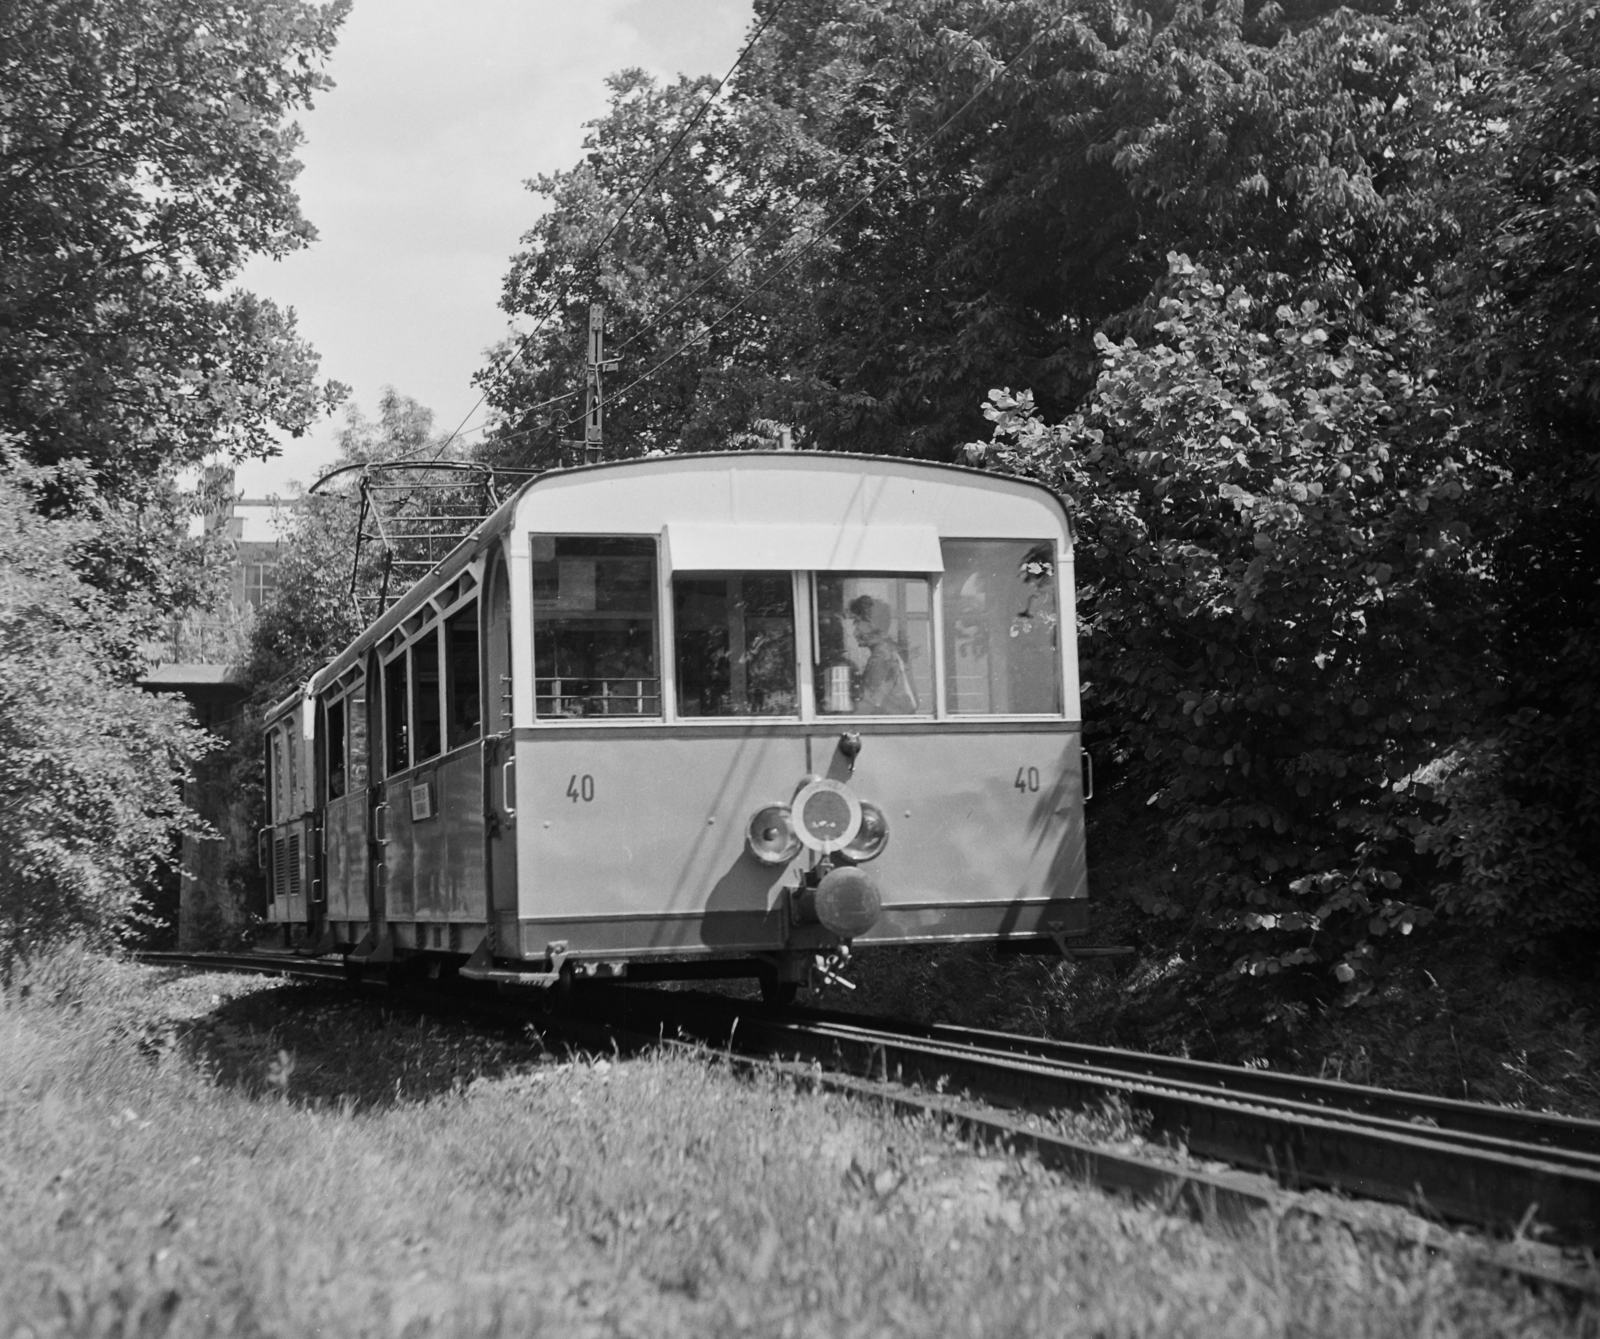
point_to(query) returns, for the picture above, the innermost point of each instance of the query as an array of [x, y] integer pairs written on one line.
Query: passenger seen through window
[[874, 645]]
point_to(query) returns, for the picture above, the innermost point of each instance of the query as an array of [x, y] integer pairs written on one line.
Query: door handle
[[1088, 775], [508, 782]]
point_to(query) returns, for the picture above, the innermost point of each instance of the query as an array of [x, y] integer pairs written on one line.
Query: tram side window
[[594, 626], [463, 702], [356, 709], [735, 643], [397, 727], [274, 769], [428, 688], [1000, 628], [874, 645], [336, 762]]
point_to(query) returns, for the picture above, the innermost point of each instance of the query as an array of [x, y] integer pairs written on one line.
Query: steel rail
[[265, 964], [1561, 1138], [1461, 1176]]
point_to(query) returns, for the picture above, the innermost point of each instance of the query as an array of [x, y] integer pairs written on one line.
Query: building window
[[735, 644], [260, 581], [874, 645], [1001, 628], [594, 627]]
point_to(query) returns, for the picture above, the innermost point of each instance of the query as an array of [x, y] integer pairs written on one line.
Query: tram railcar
[[699, 715]]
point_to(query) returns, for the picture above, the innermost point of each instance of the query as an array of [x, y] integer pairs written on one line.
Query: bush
[[1280, 614], [91, 767]]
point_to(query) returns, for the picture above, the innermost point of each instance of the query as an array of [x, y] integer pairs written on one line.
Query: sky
[[414, 172]]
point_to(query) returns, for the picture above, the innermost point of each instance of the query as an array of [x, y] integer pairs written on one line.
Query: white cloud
[[414, 172]]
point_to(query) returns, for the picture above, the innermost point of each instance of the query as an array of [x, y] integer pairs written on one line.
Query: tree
[[90, 767], [144, 156], [1279, 604], [857, 239], [1520, 840], [685, 256]]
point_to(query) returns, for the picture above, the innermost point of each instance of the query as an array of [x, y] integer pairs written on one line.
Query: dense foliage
[[91, 768], [1281, 610], [1299, 306], [146, 152], [144, 156]]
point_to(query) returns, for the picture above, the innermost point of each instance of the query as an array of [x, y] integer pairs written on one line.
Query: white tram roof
[[751, 510]]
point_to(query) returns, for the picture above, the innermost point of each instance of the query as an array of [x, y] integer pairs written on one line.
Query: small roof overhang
[[803, 548]]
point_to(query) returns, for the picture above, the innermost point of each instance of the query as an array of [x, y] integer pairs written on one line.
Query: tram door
[[498, 756]]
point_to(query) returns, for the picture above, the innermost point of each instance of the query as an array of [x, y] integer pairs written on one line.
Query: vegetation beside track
[[1457, 1023], [191, 1154], [1456, 1012]]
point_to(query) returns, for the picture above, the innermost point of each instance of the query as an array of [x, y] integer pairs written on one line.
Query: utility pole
[[593, 442]]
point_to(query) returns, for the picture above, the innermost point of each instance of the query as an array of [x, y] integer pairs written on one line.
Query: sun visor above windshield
[[803, 548]]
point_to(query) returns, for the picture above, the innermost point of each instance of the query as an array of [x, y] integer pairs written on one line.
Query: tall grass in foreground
[[152, 1188]]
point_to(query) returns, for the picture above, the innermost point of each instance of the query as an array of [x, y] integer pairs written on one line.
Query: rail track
[[1518, 1175]]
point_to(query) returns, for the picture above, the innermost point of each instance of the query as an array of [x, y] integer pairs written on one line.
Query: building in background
[[253, 529], [210, 899]]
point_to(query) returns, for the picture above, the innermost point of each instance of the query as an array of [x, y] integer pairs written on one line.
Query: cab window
[[735, 651], [462, 698], [1000, 628], [428, 687], [396, 713], [874, 645], [334, 721], [594, 626], [356, 711]]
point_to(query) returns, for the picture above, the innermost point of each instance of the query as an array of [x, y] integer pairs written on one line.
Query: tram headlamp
[[771, 835], [871, 837]]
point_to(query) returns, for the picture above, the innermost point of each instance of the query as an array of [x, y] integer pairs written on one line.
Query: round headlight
[[826, 815], [870, 838], [771, 835]]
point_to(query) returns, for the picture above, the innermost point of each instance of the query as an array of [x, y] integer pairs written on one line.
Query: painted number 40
[[1027, 780], [580, 788]]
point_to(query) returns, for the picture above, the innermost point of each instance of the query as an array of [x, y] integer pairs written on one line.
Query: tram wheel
[[777, 994]]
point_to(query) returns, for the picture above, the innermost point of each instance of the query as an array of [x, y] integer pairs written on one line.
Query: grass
[[215, 1155]]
